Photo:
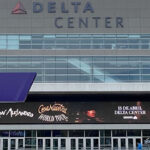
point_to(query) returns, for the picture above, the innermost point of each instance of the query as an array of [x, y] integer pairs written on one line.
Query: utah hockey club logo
[[19, 9]]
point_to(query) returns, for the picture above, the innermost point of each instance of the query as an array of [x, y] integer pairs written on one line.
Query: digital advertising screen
[[102, 112]]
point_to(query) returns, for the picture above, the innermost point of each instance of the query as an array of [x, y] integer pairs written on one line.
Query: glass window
[[34, 36], [49, 36], [91, 133], [30, 133], [2, 42], [50, 78], [4, 133], [24, 46], [37, 41], [59, 133], [3, 47], [102, 141], [61, 35], [76, 41], [43, 133], [61, 78], [107, 132], [108, 141], [13, 42], [133, 132], [61, 65], [146, 132], [3, 37], [119, 133], [73, 71], [17, 133], [25, 37], [73, 78], [76, 133], [30, 142], [37, 46], [13, 47], [16, 37]]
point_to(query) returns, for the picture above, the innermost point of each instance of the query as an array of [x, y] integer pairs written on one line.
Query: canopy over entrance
[[14, 87]]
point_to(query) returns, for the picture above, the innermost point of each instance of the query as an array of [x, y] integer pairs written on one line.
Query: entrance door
[[95, 143], [122, 143], [15, 143], [84, 143], [133, 142], [88, 143], [59, 143], [119, 143], [12, 143], [73, 144], [40, 143], [76, 144], [51, 143], [47, 144], [20, 143], [5, 144]]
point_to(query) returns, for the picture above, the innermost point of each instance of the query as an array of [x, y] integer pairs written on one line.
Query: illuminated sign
[[59, 115], [130, 112], [56, 107], [97, 112], [15, 113]]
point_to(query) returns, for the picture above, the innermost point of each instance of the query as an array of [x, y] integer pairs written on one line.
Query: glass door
[[73, 143], [138, 141], [77, 143], [47, 144], [40, 143], [20, 143], [130, 143], [55, 144], [122, 143], [119, 143], [59, 143], [133, 142], [13, 144], [115, 143], [63, 143], [5, 144], [88, 144], [95, 143], [80, 143]]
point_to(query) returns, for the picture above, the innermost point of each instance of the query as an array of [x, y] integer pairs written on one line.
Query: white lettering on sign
[[130, 112], [53, 118], [15, 113]]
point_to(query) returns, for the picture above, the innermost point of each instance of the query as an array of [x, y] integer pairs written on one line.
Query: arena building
[[92, 87]]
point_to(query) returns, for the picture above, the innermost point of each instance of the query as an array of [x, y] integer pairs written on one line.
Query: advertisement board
[[75, 112]]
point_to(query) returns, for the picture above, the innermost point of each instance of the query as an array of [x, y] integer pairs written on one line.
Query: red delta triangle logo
[[19, 9]]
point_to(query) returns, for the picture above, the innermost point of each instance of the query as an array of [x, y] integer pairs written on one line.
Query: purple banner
[[14, 87]]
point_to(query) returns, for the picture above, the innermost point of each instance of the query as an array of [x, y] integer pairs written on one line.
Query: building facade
[[92, 60]]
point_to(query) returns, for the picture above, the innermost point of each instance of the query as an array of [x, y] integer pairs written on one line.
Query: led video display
[[75, 112]]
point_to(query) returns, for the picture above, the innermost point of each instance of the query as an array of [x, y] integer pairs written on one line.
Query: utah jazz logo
[[19, 9]]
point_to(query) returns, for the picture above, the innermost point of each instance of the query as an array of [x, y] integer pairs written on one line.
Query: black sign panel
[[75, 112]]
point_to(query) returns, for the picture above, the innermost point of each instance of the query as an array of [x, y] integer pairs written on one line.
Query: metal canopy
[[14, 87]]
